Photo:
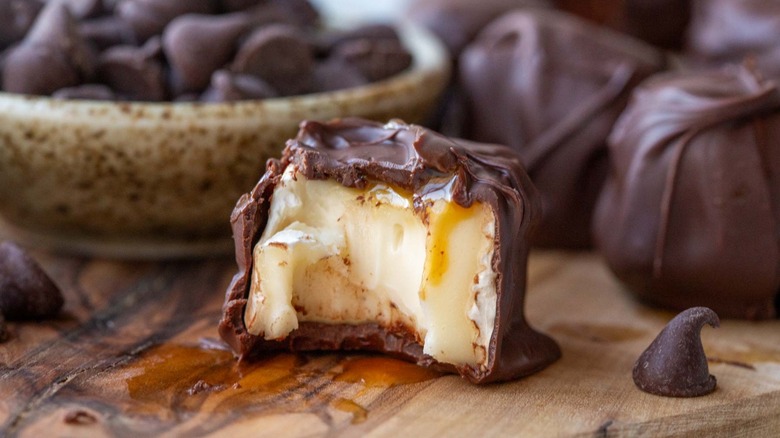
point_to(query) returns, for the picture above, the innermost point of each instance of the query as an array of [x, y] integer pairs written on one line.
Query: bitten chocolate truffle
[[689, 214], [26, 292], [388, 238], [551, 86], [728, 31], [674, 365]]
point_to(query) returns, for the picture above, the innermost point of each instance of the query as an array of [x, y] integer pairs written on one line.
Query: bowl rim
[[429, 57]]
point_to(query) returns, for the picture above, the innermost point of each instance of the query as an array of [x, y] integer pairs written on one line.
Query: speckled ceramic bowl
[[160, 180]]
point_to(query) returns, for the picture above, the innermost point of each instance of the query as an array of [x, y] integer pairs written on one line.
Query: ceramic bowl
[[159, 180]]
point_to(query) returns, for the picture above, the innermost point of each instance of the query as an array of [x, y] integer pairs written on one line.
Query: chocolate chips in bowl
[[153, 117]]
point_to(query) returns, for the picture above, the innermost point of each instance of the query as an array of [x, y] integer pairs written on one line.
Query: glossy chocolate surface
[[690, 213], [356, 153], [551, 86]]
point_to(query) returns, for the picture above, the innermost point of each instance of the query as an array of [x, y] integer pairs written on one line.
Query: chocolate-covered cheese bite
[[388, 238], [551, 86], [690, 213]]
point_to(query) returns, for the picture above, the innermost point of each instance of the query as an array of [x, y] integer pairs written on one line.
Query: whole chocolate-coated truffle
[[280, 55], [551, 86], [727, 31], [52, 55], [457, 22], [688, 216], [149, 17], [198, 45], [26, 292], [674, 365]]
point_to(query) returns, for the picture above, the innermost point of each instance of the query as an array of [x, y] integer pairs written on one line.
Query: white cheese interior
[[333, 254]]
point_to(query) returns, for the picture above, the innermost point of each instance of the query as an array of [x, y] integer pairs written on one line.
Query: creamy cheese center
[[333, 254]]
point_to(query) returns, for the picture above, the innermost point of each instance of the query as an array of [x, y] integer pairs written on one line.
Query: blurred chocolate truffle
[[674, 365], [551, 86], [662, 23], [689, 214], [728, 31], [457, 22]]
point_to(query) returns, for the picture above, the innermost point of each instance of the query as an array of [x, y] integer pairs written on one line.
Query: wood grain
[[135, 354]]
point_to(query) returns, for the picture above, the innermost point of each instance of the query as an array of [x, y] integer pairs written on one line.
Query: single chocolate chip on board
[[674, 365], [26, 292], [280, 55]]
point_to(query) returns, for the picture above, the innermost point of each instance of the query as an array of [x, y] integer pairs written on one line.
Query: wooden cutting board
[[136, 354]]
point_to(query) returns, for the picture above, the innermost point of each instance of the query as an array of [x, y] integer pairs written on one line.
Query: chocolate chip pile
[[194, 50]]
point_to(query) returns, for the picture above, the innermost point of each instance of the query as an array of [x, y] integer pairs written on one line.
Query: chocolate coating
[[727, 31], [457, 22], [674, 365], [356, 153], [690, 212], [26, 292], [551, 86]]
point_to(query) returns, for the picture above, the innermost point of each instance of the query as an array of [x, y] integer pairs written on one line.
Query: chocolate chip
[[52, 55], [149, 17], [26, 292], [237, 5], [375, 59], [674, 365], [134, 73], [230, 87], [84, 8], [108, 31], [335, 75], [197, 45], [85, 92], [279, 55], [370, 32], [79, 418], [16, 17]]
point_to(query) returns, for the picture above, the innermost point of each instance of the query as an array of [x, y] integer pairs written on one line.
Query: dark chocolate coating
[[551, 86], [727, 31], [457, 22], [26, 292], [356, 153], [674, 365], [690, 213]]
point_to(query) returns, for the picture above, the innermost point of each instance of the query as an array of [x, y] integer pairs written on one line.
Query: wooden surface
[[135, 354]]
